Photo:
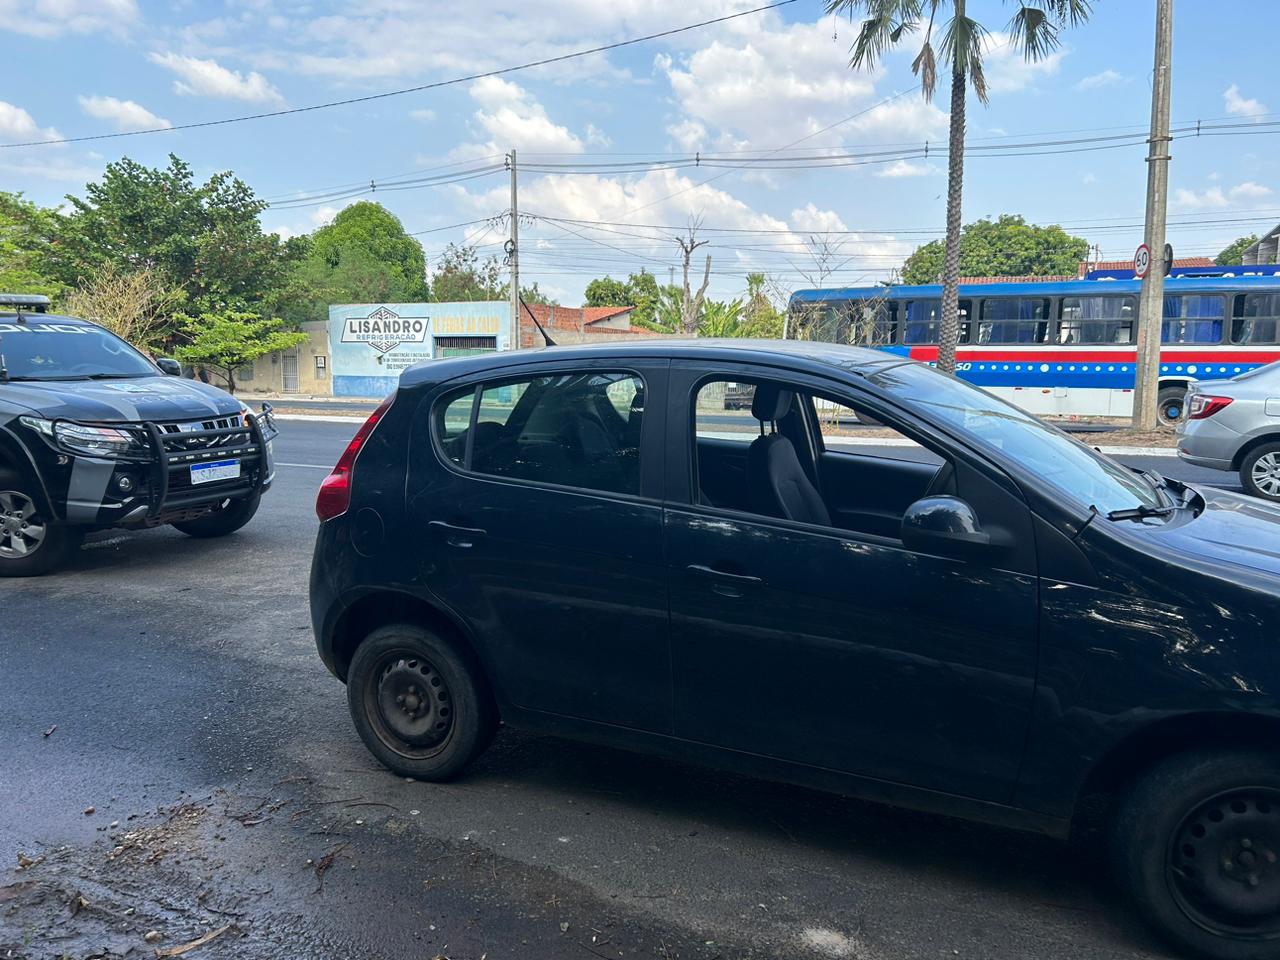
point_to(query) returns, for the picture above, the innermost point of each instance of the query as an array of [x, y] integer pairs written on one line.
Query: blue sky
[[738, 89]]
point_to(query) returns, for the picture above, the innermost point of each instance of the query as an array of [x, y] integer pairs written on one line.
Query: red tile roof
[[1087, 265]]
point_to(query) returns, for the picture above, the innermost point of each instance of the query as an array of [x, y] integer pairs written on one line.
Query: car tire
[[1195, 846], [1171, 406], [226, 519], [1260, 472], [419, 702], [31, 544]]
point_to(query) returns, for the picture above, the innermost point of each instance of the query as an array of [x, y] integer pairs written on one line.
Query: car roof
[[795, 354], [31, 316]]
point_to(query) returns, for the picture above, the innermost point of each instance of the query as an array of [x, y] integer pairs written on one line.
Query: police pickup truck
[[93, 434]]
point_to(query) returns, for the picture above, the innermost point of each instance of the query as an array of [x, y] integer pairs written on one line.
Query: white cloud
[[1008, 71], [810, 219], [781, 83], [1096, 81], [1242, 106], [207, 78], [18, 126], [513, 117], [392, 39], [1215, 198], [905, 168], [124, 114], [53, 18], [426, 116]]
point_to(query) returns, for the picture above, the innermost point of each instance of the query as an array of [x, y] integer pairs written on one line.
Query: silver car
[[1235, 425]]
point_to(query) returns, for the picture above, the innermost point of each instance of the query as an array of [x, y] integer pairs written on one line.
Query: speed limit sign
[[1141, 261]]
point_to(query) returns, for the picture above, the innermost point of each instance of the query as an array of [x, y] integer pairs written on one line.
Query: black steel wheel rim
[[1223, 864], [409, 704]]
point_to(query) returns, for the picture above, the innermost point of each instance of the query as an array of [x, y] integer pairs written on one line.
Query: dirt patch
[[293, 877], [1160, 437]]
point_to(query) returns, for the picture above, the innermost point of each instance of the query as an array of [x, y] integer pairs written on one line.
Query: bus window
[[1097, 319], [922, 321], [1014, 320], [1193, 318], [1257, 316]]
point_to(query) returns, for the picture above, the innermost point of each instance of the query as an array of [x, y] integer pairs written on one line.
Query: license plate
[[209, 472]]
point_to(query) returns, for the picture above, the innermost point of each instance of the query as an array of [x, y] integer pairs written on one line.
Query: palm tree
[[1034, 27]]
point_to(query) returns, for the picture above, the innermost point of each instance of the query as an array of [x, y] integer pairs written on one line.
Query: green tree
[[760, 318], [1231, 256], [1005, 247], [1034, 27], [460, 274], [720, 319], [531, 295], [204, 240], [607, 292], [26, 235], [371, 235], [230, 339]]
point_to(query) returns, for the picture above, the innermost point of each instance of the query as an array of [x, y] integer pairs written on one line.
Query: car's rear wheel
[[1260, 472], [1197, 847], [31, 542], [419, 702], [225, 519], [1171, 405]]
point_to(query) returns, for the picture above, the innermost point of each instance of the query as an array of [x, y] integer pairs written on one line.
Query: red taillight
[[1203, 405], [335, 491]]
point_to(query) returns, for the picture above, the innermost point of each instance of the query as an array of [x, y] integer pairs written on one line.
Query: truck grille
[[176, 439]]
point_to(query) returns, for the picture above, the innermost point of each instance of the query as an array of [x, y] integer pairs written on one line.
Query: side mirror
[[169, 366], [942, 525]]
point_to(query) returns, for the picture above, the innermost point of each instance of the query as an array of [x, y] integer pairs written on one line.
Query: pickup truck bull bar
[[170, 448]]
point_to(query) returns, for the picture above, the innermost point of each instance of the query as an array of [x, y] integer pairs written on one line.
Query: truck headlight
[[94, 441]]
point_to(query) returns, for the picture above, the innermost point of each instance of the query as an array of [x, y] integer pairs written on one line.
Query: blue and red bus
[[1061, 348]]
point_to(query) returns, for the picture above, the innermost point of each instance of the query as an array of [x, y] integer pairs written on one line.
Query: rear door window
[[573, 429]]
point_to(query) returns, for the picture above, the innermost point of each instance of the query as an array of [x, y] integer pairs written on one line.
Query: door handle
[[456, 536], [725, 584]]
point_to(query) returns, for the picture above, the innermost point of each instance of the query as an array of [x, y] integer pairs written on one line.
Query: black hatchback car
[[971, 613]]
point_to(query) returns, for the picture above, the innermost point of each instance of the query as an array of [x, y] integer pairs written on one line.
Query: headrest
[[770, 403]]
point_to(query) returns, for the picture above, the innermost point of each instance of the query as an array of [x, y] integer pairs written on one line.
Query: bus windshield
[[48, 350], [1087, 477]]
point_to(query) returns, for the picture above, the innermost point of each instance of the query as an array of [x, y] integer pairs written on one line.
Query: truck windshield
[[1084, 475], [48, 350]]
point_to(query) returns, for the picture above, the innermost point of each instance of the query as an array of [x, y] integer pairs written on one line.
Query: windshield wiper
[[112, 376], [1140, 512]]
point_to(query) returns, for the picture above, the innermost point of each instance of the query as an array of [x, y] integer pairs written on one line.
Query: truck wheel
[[1196, 845], [420, 706], [1260, 472], [1171, 405], [30, 542], [228, 518]]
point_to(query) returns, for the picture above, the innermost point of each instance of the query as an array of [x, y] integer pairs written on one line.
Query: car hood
[[1232, 528], [141, 398]]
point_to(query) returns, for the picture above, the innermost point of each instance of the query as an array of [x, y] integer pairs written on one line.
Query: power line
[[418, 89]]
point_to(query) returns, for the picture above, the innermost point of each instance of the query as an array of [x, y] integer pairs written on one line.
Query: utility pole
[[1151, 305], [514, 254]]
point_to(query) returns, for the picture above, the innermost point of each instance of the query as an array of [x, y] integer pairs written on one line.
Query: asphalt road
[[171, 686]]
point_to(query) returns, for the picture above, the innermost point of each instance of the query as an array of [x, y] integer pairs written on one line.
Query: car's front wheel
[[228, 518], [419, 702], [31, 542], [1260, 472], [1197, 847]]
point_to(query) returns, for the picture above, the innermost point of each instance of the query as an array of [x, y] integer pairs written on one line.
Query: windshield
[[1081, 473], [48, 350]]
